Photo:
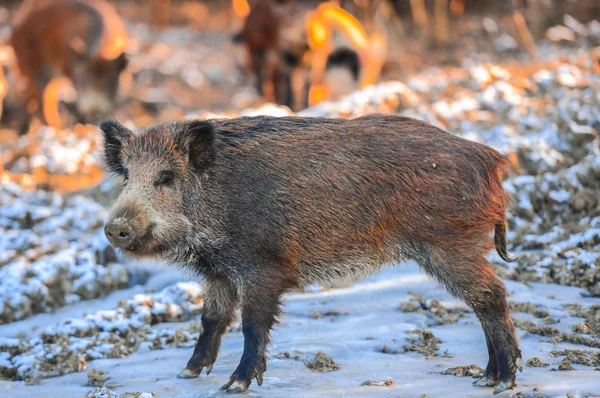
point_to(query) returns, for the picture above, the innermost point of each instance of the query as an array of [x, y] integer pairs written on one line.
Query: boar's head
[[97, 83], [161, 211]]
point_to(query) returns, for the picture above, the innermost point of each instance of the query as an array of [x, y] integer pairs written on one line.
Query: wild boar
[[261, 36], [260, 205], [82, 40]]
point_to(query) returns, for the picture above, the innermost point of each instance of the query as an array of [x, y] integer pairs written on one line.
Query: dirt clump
[[580, 357], [465, 371], [535, 362], [322, 363], [425, 343], [287, 355], [97, 378], [380, 383], [556, 336], [436, 313], [528, 308]]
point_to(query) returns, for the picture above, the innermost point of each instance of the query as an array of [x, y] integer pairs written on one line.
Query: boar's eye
[[165, 178]]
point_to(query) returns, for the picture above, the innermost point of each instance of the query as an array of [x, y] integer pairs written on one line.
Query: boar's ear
[[114, 136], [198, 143]]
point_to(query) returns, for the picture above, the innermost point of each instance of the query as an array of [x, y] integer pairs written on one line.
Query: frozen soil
[[52, 252], [353, 343]]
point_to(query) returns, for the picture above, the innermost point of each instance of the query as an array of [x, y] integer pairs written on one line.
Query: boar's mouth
[[144, 245]]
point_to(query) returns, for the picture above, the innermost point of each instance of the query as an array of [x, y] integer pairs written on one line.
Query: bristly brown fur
[[262, 205]]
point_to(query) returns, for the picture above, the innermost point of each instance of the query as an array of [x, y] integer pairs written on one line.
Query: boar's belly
[[332, 273]]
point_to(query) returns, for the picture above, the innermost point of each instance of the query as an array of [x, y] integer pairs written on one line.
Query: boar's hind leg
[[220, 301], [490, 378], [260, 308], [472, 279]]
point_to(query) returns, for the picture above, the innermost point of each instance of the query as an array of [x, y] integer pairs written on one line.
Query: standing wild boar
[[263, 205], [82, 40]]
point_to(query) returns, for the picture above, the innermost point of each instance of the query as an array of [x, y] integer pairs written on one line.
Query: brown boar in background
[[261, 36], [80, 40], [260, 206]]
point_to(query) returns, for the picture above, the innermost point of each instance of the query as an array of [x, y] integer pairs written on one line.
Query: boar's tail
[[500, 241]]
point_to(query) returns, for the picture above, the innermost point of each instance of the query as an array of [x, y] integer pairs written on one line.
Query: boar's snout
[[119, 232]]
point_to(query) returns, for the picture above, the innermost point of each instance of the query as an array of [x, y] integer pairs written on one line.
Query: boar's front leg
[[220, 300], [260, 308]]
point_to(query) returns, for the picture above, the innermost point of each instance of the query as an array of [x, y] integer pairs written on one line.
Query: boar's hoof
[[485, 382], [504, 386], [242, 377], [236, 386], [188, 374], [519, 364]]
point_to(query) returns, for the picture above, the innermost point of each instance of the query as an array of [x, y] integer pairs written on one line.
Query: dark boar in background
[[261, 36], [260, 206], [82, 40]]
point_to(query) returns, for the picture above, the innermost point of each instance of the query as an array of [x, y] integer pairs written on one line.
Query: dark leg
[[472, 279], [284, 93], [257, 65], [504, 343], [490, 378], [73, 110], [260, 79], [219, 305], [23, 122], [260, 309]]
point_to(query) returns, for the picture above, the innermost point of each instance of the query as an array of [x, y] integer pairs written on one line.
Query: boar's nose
[[119, 233]]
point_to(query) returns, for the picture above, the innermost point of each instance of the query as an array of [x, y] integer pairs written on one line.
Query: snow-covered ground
[[360, 321]]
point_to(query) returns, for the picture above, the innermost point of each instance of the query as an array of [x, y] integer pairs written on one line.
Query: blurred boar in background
[[82, 41], [342, 72], [338, 70], [261, 38], [261, 205]]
